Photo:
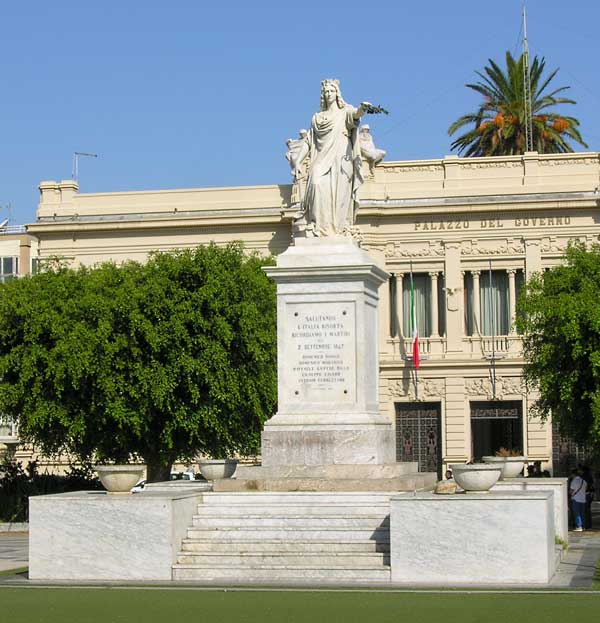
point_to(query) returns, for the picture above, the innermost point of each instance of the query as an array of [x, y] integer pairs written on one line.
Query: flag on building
[[413, 324]]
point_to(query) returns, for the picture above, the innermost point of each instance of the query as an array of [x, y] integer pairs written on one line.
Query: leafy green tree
[[158, 361], [559, 316], [498, 125]]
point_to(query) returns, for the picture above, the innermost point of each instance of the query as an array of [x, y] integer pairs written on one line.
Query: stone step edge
[[280, 554], [279, 541], [284, 504], [342, 494], [290, 516], [382, 529], [382, 567]]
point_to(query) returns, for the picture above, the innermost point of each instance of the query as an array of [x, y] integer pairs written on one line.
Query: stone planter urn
[[119, 478], [511, 466], [479, 477], [214, 469]]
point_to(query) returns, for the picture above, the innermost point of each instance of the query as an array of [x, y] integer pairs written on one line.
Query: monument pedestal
[[327, 358]]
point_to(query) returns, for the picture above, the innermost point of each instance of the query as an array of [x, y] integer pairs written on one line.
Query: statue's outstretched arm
[[362, 109]]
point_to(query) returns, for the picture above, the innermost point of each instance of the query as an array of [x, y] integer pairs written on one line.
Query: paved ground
[[575, 571], [579, 563], [13, 550]]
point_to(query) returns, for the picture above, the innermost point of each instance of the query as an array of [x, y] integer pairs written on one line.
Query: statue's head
[[331, 88], [365, 128]]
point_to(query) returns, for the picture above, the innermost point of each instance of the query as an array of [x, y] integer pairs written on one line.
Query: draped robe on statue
[[335, 174]]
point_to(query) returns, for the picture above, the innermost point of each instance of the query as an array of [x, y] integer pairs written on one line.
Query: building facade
[[467, 233]]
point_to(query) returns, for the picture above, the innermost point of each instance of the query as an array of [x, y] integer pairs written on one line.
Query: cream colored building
[[469, 230]]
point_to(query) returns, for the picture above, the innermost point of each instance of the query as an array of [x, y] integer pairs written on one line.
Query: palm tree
[[499, 123]]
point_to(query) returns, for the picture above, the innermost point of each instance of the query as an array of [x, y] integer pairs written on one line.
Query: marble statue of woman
[[330, 199]]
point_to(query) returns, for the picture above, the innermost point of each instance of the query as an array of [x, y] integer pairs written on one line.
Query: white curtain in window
[[495, 314], [422, 285]]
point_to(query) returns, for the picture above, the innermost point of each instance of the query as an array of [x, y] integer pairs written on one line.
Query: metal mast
[[76, 156], [527, 88]]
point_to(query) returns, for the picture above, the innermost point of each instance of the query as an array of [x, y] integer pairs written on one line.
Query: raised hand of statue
[[364, 108]]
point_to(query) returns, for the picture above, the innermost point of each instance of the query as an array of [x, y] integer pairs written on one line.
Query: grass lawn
[[108, 605]]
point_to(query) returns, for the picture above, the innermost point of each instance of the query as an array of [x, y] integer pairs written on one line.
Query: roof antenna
[[527, 88], [76, 156]]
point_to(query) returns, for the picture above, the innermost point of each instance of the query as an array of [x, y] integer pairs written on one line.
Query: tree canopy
[[158, 361], [498, 125], [559, 316]]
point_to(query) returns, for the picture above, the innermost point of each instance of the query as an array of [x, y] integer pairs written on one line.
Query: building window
[[424, 303], [489, 309], [9, 268], [495, 317], [422, 290], [8, 427]]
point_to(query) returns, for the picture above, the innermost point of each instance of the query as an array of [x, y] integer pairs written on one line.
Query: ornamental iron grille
[[566, 454], [496, 424], [419, 435]]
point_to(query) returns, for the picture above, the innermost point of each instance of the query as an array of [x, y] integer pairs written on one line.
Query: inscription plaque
[[321, 352]]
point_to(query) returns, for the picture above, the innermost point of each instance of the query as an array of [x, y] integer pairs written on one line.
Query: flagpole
[[493, 321], [415, 333]]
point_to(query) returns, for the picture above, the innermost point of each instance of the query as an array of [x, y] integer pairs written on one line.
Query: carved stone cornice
[[491, 165], [400, 250], [505, 386], [428, 388], [507, 247], [431, 168], [568, 162]]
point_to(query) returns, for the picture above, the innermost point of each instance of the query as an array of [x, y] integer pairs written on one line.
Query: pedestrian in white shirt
[[577, 492]]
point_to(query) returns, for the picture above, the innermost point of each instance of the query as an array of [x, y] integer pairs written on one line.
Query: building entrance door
[[419, 435], [494, 425]]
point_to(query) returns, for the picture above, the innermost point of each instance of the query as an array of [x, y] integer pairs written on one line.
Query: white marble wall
[[472, 539], [558, 486], [96, 536]]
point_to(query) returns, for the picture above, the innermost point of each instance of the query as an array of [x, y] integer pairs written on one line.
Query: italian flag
[[413, 323]]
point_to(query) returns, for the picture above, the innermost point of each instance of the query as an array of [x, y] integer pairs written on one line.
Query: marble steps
[[287, 520], [297, 537], [302, 510], [280, 545], [278, 574], [242, 534], [306, 560], [353, 498], [408, 482]]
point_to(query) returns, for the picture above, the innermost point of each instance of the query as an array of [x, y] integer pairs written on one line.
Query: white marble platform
[[473, 539], [91, 535], [558, 486]]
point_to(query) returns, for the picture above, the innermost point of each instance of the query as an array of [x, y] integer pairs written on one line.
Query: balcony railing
[[473, 347]]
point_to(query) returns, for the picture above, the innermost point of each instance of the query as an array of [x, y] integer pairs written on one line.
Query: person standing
[[577, 491]]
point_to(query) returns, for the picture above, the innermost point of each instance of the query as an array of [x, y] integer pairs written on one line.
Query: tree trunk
[[157, 471]]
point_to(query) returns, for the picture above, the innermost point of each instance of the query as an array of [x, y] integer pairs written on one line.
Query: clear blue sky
[[191, 93]]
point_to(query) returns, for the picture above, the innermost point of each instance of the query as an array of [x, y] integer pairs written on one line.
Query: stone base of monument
[[327, 338], [473, 539], [350, 477], [90, 535]]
